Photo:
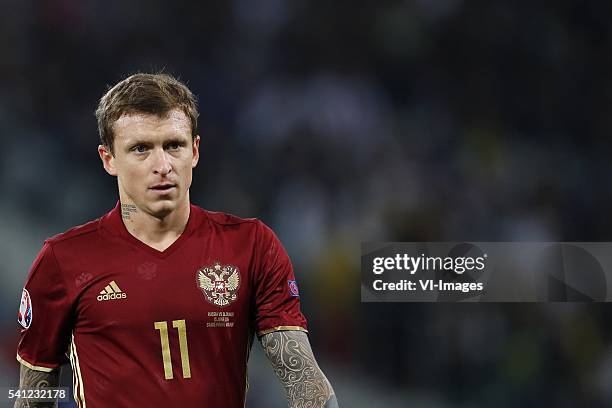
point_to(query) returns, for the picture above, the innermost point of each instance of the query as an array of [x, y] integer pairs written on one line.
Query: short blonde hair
[[156, 94]]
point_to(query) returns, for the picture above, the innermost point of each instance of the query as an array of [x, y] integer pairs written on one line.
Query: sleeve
[[45, 314], [277, 300]]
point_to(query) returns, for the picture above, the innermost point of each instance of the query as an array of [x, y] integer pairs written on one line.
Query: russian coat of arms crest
[[219, 283]]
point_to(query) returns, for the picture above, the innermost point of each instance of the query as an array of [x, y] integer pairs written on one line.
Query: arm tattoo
[[29, 378], [296, 368]]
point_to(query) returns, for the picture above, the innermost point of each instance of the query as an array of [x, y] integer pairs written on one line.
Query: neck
[[156, 230]]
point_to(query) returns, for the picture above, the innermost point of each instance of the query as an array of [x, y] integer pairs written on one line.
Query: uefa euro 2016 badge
[[293, 288], [219, 283], [24, 317]]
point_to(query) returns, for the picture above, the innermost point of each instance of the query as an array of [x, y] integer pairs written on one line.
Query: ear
[[196, 152], [108, 160]]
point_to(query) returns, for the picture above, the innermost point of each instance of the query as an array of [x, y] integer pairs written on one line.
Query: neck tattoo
[[127, 210]]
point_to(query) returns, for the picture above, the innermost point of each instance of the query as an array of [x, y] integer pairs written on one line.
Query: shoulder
[[82, 232], [225, 219], [68, 245], [229, 222], [76, 243]]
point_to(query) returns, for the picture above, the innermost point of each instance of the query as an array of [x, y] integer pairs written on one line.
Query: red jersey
[[144, 327]]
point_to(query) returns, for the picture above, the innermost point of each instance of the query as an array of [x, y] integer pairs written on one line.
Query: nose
[[162, 165]]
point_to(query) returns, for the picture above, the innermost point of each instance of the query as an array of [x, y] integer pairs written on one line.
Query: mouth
[[163, 187]]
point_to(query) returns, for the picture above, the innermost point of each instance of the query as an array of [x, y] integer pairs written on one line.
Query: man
[[156, 303]]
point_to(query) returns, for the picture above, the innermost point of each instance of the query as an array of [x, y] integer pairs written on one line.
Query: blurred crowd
[[337, 123]]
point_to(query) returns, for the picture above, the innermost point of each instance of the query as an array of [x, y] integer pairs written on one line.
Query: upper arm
[[277, 301], [295, 366], [282, 328], [45, 313]]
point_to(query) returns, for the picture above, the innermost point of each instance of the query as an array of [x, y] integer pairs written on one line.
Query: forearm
[[29, 378], [295, 366]]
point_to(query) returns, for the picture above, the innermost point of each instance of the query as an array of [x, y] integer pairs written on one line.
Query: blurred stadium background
[[336, 123]]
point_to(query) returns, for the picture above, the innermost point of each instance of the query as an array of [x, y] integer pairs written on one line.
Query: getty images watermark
[[486, 272]]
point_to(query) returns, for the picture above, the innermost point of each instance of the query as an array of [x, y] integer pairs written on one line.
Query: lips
[[162, 186]]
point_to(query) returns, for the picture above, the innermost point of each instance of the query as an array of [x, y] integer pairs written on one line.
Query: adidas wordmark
[[111, 292]]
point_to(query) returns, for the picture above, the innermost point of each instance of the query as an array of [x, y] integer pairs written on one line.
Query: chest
[[131, 290]]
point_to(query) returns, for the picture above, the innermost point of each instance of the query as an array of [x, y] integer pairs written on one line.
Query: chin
[[162, 208]]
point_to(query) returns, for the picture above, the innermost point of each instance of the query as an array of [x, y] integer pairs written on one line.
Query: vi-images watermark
[[486, 272]]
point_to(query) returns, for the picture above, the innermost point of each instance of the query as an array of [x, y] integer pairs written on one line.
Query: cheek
[[186, 173], [184, 167], [133, 176]]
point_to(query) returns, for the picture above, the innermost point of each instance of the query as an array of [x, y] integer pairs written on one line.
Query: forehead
[[145, 125]]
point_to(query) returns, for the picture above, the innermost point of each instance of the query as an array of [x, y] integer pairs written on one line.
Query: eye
[[139, 148], [173, 146]]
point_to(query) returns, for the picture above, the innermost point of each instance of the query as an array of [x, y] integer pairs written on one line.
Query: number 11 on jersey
[[165, 346]]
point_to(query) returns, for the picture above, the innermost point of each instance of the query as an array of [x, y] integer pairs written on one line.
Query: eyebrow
[[177, 140], [136, 142], [173, 139]]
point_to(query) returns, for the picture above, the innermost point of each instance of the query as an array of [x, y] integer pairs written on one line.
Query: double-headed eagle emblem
[[219, 283]]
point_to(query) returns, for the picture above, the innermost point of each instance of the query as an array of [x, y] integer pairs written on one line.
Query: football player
[[157, 302]]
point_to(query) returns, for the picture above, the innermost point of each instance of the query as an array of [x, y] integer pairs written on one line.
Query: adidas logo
[[111, 292]]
